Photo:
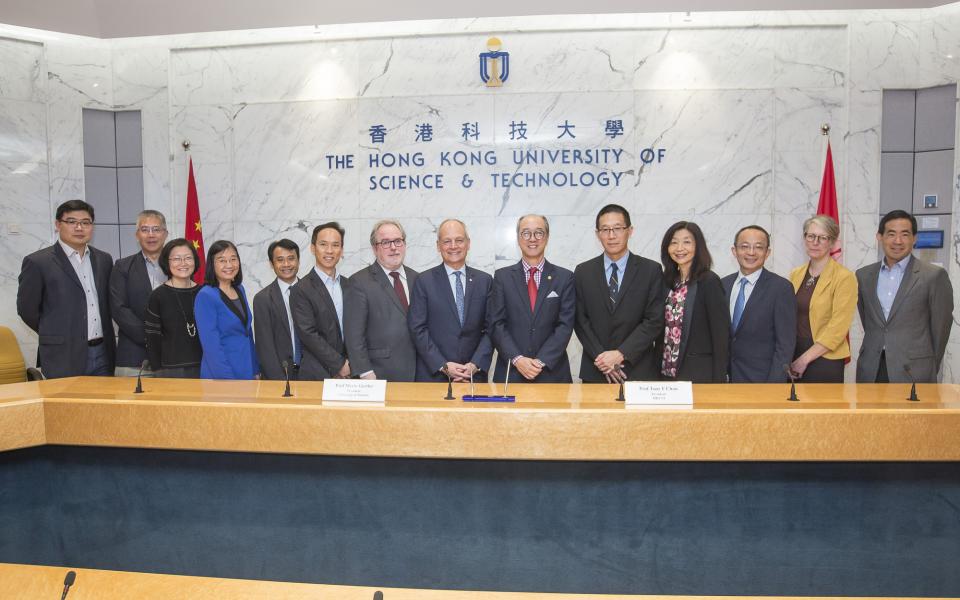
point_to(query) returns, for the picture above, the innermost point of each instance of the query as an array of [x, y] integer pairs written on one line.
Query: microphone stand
[[913, 384], [622, 376], [449, 395], [793, 384], [286, 375], [139, 389]]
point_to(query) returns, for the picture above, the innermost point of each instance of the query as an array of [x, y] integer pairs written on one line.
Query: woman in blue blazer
[[224, 318]]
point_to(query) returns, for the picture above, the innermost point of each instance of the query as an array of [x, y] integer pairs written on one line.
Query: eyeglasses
[[81, 223], [612, 230], [814, 238], [397, 243], [749, 247], [223, 261], [536, 234], [177, 260], [146, 229]]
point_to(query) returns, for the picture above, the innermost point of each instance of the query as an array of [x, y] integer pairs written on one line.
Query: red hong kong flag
[[193, 229], [828, 199]]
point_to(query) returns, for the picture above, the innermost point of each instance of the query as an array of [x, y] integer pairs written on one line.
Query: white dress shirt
[[751, 283], [84, 269], [285, 293]]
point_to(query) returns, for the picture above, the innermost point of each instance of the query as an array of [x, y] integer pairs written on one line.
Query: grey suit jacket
[[917, 330], [50, 300], [130, 291], [375, 325], [272, 331], [315, 319]]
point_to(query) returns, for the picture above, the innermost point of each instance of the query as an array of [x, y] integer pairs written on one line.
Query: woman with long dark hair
[[224, 318], [696, 340], [171, 330]]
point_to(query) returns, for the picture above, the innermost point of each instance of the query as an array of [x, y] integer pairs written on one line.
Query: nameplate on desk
[[658, 394], [354, 391]]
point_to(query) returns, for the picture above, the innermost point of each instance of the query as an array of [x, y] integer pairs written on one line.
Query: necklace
[[191, 327]]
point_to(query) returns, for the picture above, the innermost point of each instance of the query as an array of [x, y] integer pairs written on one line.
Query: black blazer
[[543, 333], [705, 341], [130, 291], [272, 331], [632, 325], [435, 325], [767, 336], [315, 319], [50, 300]]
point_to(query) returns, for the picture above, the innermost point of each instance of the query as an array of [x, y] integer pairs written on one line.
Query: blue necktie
[[459, 296], [738, 306], [297, 348]]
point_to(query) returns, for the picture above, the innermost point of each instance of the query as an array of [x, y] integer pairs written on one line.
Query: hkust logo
[[494, 64]]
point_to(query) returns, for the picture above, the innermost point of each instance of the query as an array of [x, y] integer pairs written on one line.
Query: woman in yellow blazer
[[826, 301]]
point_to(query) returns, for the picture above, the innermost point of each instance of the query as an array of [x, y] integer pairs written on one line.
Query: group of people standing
[[636, 319]]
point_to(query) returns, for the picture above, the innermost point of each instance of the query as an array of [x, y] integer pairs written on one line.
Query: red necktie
[[532, 288], [398, 288]]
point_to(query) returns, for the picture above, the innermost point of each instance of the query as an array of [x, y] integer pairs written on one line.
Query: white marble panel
[[859, 234], [65, 147], [80, 72], [281, 169], [800, 113], [709, 59], [25, 190], [413, 66], [863, 152], [885, 54], [404, 118], [719, 151], [21, 70], [140, 76], [810, 57], [940, 46], [155, 131], [786, 241], [22, 131], [214, 191], [31, 237], [209, 129], [200, 76], [288, 72]]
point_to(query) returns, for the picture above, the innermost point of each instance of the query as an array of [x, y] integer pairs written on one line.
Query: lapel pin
[[549, 277]]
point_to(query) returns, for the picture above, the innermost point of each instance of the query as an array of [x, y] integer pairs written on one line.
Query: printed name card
[[658, 394], [350, 391]]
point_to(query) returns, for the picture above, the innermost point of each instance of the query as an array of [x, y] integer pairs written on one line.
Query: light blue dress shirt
[[621, 265], [888, 283], [335, 289]]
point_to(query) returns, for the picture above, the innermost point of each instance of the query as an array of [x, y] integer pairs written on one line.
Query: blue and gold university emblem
[[494, 64]]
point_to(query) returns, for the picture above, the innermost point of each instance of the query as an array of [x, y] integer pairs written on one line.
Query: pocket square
[[553, 294]]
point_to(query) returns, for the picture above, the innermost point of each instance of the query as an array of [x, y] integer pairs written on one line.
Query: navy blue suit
[[226, 336], [542, 333], [435, 325], [764, 342]]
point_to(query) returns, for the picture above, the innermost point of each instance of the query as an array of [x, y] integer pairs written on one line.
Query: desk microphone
[[139, 390], [378, 595], [67, 582], [793, 384], [449, 395], [286, 375], [913, 384]]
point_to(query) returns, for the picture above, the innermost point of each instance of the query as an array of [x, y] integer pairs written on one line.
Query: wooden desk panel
[[850, 422]]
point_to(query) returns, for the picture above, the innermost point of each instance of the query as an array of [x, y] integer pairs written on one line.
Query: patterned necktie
[[532, 288], [459, 296], [614, 283], [738, 306], [398, 288]]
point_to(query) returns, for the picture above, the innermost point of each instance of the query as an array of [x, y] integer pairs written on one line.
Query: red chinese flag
[[193, 229], [828, 198]]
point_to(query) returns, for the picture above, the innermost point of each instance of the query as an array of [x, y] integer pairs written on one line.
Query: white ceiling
[[130, 18]]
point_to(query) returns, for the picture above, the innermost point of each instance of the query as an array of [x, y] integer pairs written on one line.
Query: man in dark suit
[[619, 306], [448, 313], [532, 311], [906, 307], [131, 282], [316, 303], [64, 297], [378, 339], [763, 313], [273, 329]]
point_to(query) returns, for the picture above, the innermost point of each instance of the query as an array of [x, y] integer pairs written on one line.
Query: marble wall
[[735, 99]]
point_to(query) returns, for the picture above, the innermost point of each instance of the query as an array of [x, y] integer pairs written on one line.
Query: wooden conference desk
[[850, 492], [866, 422]]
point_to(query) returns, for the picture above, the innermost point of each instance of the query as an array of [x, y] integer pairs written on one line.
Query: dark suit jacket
[[543, 333], [705, 341], [315, 319], [51, 301], [226, 335], [375, 325], [918, 328], [130, 291], [272, 332], [632, 325], [767, 336], [435, 325]]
